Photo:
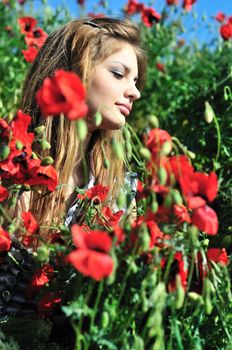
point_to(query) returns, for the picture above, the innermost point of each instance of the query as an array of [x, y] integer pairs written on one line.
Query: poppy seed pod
[[208, 113], [81, 129]]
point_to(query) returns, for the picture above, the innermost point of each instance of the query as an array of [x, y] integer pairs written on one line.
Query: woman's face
[[113, 88]]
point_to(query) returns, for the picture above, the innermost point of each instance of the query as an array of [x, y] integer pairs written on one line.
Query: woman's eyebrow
[[126, 68]]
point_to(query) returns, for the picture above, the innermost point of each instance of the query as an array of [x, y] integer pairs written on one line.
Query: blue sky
[[197, 28], [210, 7]]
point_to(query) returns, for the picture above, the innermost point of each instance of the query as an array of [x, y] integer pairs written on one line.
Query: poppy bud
[[63, 228], [44, 144], [166, 148], [121, 200], [177, 198], [126, 134], [13, 201], [180, 293], [162, 176], [106, 163], [81, 129], [47, 161], [43, 253], [154, 207], [4, 152], [128, 149], [153, 121], [18, 145], [208, 113], [138, 343], [195, 297], [168, 200], [227, 93], [145, 153], [34, 155], [226, 242], [208, 306], [11, 228], [153, 279], [39, 130], [105, 319], [117, 149], [144, 238], [97, 118]]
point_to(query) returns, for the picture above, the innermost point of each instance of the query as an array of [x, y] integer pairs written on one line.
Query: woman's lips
[[124, 110]]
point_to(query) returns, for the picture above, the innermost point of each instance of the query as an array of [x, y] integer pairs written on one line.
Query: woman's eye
[[117, 75]]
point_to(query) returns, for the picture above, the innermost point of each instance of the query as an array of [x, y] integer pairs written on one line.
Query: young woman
[[107, 55]]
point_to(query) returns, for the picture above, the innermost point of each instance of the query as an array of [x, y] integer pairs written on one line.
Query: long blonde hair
[[77, 47]]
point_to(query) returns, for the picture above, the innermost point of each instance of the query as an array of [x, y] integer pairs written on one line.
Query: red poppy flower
[[155, 140], [97, 193], [41, 276], [31, 227], [220, 17], [206, 220], [45, 175], [119, 233], [226, 31], [218, 255], [91, 257], [95, 15], [3, 193], [155, 234], [36, 37], [172, 2], [187, 4], [81, 2], [29, 222], [30, 54], [150, 16], [195, 202], [63, 93], [49, 303], [207, 184], [111, 218], [181, 214], [133, 7], [160, 66], [27, 24], [179, 166], [5, 241], [19, 127]]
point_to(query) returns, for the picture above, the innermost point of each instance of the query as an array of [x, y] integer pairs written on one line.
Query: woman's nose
[[133, 93]]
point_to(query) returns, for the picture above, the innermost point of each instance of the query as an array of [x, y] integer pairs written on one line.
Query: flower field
[[162, 279]]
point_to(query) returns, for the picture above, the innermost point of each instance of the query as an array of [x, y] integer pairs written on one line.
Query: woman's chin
[[112, 121]]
